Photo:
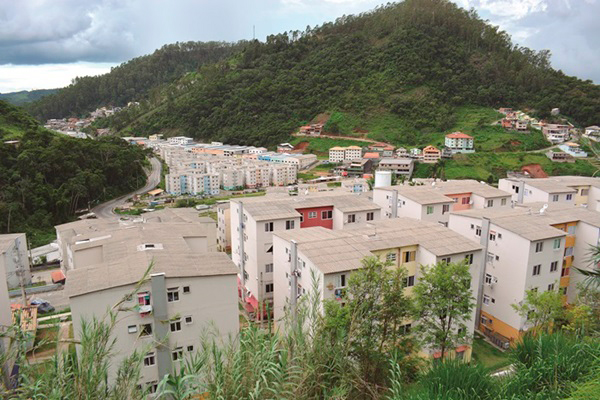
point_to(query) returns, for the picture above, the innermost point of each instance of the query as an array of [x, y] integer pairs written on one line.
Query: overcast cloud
[[66, 38]]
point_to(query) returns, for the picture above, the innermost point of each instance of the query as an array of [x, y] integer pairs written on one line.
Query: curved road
[[105, 210]]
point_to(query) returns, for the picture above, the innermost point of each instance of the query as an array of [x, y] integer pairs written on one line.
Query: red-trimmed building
[[459, 142]]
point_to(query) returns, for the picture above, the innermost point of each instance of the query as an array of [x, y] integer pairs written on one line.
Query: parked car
[[43, 306]]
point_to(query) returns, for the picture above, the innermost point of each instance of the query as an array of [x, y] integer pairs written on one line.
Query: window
[[327, 214], [568, 251], [406, 329], [488, 279], [553, 266], [569, 196], [477, 231], [391, 257], [490, 257], [409, 256], [343, 280], [269, 288], [312, 214], [152, 387], [499, 235], [564, 291], [445, 208], [556, 244], [409, 281], [172, 294], [132, 329], [564, 272], [269, 227], [537, 269], [289, 224], [472, 226], [190, 348], [269, 268], [571, 230], [539, 246], [351, 218], [145, 329], [503, 202], [186, 290], [149, 360], [370, 216], [188, 319], [484, 320], [466, 200], [177, 354], [175, 325], [584, 192], [493, 236], [446, 260], [486, 299], [429, 210], [301, 217], [555, 197], [490, 203], [551, 287], [144, 298], [469, 258]]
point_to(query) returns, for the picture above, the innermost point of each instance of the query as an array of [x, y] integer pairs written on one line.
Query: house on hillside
[[556, 133], [592, 133], [559, 156], [431, 155], [311, 130], [505, 110], [573, 149], [385, 150], [401, 152], [400, 166], [459, 142]]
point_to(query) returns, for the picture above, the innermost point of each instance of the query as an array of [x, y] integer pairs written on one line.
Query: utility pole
[[294, 278], [20, 270], [242, 259]]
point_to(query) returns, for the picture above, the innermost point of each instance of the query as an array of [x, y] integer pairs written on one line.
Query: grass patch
[[489, 356], [334, 184], [325, 167], [321, 146], [306, 176], [209, 214], [46, 339]]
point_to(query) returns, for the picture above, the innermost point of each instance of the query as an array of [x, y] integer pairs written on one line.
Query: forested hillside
[[413, 63], [130, 81], [46, 177], [26, 96]]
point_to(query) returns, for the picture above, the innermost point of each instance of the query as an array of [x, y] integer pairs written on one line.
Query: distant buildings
[[284, 148], [459, 142], [400, 166], [556, 133], [431, 155], [311, 130], [592, 133], [384, 149], [559, 156], [573, 149], [338, 154], [14, 260]]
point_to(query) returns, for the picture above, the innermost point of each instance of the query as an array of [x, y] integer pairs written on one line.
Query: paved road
[[105, 210], [58, 298]]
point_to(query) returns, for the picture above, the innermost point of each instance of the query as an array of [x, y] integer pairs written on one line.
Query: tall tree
[[542, 309], [443, 305]]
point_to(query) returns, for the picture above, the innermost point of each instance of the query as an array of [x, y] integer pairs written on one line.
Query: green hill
[[130, 81], [46, 177], [26, 96], [403, 72]]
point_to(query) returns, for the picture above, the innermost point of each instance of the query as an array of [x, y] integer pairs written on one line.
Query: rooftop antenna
[[543, 209]]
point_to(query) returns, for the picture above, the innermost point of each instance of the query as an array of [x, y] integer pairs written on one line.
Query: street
[[105, 210]]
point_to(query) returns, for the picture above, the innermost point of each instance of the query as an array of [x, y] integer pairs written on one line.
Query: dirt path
[[342, 137]]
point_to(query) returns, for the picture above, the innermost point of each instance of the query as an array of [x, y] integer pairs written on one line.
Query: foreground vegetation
[[46, 177], [360, 351]]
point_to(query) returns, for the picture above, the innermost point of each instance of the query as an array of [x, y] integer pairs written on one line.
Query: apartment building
[[180, 140], [431, 155], [331, 256], [432, 201], [574, 190], [556, 133], [257, 176], [192, 181], [459, 142], [187, 294], [400, 166], [14, 260], [261, 217], [339, 154], [223, 226], [526, 248], [86, 242]]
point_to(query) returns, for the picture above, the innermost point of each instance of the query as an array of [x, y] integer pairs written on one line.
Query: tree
[[443, 304], [542, 309], [373, 319]]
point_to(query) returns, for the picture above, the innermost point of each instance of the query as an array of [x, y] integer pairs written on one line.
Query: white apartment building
[[192, 181], [331, 256], [258, 176], [262, 217], [180, 140], [283, 175], [400, 166], [574, 190], [223, 226], [526, 248], [339, 154], [14, 260], [187, 295], [432, 200], [459, 142]]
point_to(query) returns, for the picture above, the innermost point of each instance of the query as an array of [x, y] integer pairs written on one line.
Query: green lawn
[[489, 356], [45, 339], [306, 176]]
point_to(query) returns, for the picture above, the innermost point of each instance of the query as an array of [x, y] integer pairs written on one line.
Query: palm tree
[[593, 274]]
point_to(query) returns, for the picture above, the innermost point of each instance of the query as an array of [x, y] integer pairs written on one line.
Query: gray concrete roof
[[130, 270], [7, 240], [342, 250], [558, 184], [527, 222]]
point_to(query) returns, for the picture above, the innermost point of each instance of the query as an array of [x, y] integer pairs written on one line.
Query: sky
[[46, 43]]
